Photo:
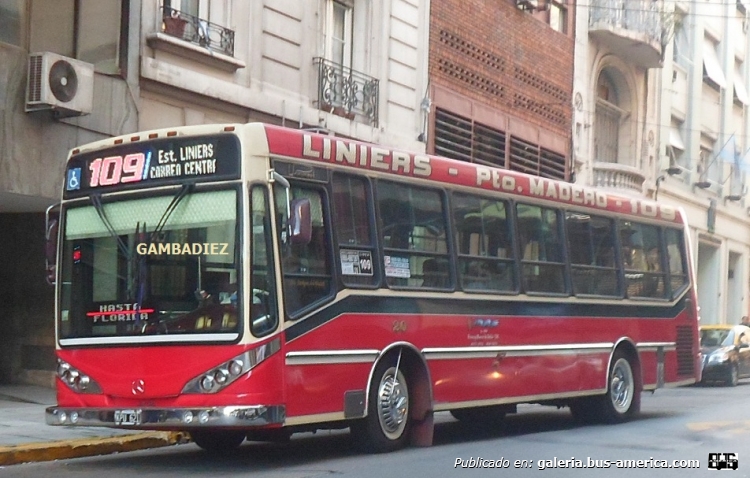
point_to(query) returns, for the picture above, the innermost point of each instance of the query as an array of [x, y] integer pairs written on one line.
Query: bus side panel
[[515, 356], [320, 389]]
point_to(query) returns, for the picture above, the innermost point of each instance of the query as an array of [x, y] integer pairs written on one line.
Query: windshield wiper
[[186, 188], [96, 200]]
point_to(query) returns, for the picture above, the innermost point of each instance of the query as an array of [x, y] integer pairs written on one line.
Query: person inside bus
[[653, 279]]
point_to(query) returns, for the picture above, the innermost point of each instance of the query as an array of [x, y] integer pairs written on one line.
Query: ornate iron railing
[[639, 16], [196, 30], [346, 92]]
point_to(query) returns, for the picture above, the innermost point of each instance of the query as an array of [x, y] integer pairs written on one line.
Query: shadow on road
[[312, 451]]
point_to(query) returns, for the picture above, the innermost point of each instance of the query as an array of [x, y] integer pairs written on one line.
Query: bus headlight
[[76, 380], [224, 374]]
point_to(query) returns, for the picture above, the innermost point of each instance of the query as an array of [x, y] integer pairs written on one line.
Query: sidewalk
[[25, 437]]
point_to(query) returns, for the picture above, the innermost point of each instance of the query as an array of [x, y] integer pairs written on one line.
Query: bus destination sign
[[154, 163]]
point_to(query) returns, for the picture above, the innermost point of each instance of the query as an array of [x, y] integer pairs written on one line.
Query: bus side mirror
[[52, 221], [300, 221]]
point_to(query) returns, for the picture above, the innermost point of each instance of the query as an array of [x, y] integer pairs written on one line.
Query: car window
[[716, 337]]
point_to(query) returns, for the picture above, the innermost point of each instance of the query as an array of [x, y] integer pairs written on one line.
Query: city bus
[[249, 281]]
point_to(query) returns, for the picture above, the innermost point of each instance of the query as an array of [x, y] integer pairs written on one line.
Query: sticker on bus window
[[397, 267], [356, 263]]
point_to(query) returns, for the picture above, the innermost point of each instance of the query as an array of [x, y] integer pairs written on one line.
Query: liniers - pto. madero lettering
[[177, 248]]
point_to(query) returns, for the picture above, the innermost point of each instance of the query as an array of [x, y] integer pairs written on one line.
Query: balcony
[[194, 38], [346, 92], [619, 177], [632, 29], [197, 31]]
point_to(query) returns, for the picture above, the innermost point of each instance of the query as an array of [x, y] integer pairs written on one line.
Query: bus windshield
[[165, 265]]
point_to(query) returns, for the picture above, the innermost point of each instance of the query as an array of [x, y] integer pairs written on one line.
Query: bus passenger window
[[641, 257], [351, 210], [678, 276], [483, 239], [413, 233], [591, 250], [306, 267], [542, 267]]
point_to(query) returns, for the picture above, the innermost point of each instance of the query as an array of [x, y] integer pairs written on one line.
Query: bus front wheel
[[218, 441], [387, 425]]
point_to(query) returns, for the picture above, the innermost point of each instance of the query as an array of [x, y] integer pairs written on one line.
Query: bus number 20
[[116, 170]]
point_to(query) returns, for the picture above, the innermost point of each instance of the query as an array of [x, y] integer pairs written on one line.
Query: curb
[[65, 449]]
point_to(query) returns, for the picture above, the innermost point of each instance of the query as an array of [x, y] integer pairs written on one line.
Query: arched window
[[611, 131], [608, 118]]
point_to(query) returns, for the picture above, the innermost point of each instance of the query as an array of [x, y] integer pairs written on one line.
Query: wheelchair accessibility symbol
[[74, 179]]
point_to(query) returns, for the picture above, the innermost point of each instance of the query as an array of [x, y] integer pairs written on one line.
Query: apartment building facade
[[704, 143], [501, 79], [352, 68], [661, 111]]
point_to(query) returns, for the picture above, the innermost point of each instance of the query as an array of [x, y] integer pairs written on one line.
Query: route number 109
[[117, 170]]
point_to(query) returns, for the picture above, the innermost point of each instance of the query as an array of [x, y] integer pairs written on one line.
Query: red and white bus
[[251, 281]]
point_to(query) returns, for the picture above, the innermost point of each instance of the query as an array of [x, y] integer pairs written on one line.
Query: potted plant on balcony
[[173, 24]]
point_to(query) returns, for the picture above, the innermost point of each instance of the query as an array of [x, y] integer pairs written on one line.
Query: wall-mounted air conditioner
[[59, 83]]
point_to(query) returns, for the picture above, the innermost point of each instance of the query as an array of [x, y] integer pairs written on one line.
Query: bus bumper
[[243, 416]]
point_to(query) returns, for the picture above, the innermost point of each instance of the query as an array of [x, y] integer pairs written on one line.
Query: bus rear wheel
[[220, 441], [620, 403], [387, 425]]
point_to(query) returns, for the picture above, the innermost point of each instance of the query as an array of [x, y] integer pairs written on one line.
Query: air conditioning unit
[[59, 83], [527, 5]]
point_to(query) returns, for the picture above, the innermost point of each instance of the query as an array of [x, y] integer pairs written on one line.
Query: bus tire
[[221, 441], [620, 403], [388, 422]]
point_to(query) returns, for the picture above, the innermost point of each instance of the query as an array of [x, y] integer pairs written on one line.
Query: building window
[[10, 21], [713, 74], [676, 147], [681, 40], [189, 7], [558, 16], [607, 126], [740, 90], [89, 30], [610, 119], [339, 33]]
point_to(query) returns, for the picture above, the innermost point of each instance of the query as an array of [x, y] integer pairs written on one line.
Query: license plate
[[127, 417]]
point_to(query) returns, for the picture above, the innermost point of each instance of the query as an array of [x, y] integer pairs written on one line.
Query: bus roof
[[301, 144], [359, 155]]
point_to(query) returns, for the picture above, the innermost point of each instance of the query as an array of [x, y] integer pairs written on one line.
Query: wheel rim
[[621, 386], [393, 404]]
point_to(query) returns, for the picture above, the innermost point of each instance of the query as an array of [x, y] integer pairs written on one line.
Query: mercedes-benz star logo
[[138, 387]]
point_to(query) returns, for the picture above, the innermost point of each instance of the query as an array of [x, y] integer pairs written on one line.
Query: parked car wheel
[[734, 376]]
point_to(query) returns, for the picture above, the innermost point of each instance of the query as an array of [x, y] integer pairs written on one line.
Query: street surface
[[675, 424]]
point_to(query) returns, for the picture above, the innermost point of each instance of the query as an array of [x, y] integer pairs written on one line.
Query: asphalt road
[[675, 424]]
